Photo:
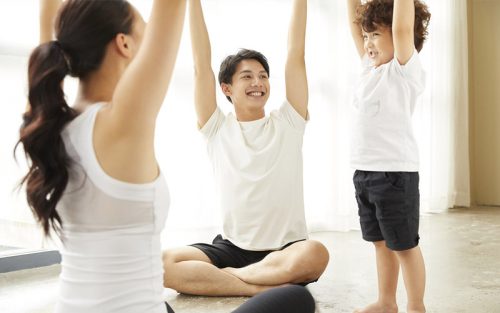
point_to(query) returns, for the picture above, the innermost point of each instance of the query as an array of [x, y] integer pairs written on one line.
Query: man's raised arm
[[204, 91], [297, 92]]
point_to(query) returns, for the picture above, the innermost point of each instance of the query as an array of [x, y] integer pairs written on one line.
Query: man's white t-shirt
[[384, 101], [258, 172]]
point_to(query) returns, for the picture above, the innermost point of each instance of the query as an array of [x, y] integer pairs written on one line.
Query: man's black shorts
[[223, 253], [388, 205]]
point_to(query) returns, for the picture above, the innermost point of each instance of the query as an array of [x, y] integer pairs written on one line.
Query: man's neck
[[248, 115]]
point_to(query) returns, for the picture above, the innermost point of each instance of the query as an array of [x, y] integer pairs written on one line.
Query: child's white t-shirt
[[258, 172], [384, 101]]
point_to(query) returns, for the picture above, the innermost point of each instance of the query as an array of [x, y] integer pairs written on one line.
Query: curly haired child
[[388, 35]]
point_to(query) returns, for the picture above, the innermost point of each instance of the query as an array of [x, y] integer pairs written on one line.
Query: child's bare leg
[[412, 264], [387, 271]]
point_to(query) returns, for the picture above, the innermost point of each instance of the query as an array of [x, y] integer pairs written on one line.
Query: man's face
[[379, 46], [250, 85]]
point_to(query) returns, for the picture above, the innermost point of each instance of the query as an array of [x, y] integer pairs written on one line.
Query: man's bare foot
[[259, 288], [231, 270], [237, 272], [378, 307], [256, 289]]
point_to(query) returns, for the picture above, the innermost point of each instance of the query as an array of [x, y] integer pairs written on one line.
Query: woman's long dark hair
[[83, 30]]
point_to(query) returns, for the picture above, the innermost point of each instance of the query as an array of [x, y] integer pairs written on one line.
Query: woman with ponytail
[[93, 177]]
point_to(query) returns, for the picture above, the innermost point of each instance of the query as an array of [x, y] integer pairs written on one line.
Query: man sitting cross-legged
[[257, 161]]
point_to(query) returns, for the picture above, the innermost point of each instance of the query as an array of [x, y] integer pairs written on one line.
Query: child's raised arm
[[403, 22], [357, 34]]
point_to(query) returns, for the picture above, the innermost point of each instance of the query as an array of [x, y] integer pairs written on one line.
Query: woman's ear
[[123, 45]]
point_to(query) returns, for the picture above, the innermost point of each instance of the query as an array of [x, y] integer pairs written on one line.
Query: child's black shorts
[[388, 205]]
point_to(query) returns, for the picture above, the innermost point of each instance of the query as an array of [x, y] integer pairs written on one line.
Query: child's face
[[379, 46]]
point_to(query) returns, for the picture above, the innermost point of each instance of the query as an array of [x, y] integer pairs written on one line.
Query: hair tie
[[67, 60]]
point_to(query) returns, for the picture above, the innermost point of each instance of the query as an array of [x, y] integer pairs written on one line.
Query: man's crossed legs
[[223, 269]]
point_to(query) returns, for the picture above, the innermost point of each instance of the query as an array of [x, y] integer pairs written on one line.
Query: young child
[[388, 35]]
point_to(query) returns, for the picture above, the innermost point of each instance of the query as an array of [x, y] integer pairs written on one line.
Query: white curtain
[[440, 119], [442, 116]]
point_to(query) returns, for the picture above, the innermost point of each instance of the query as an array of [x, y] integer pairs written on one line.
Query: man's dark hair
[[228, 66]]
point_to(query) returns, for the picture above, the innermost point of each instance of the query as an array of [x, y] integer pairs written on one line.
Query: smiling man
[[257, 162]]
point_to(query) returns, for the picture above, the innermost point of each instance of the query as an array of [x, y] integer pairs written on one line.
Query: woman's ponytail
[[40, 133]]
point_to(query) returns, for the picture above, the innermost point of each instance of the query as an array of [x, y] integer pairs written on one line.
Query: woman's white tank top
[[111, 252]]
